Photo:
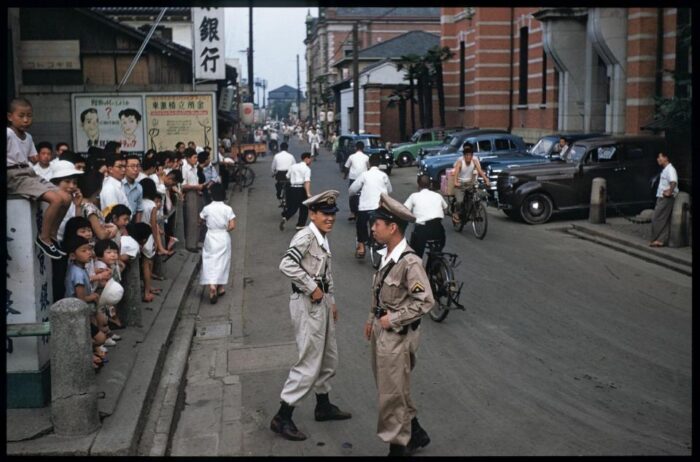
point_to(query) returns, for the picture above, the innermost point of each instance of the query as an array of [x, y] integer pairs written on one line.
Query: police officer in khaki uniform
[[401, 295], [307, 263]]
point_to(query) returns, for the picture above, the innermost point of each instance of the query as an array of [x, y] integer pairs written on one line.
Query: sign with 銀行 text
[[209, 51]]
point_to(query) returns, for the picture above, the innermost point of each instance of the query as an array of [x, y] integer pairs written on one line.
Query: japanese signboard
[[99, 118], [56, 55], [208, 52], [171, 118]]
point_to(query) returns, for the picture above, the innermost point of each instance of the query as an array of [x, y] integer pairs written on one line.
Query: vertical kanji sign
[[208, 52]]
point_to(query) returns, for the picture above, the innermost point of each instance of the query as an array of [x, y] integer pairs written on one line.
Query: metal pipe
[[355, 81], [250, 53], [143, 47]]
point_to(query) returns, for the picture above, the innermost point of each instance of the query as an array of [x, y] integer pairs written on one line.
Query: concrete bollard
[[598, 201], [191, 220], [132, 294], [678, 236], [73, 384]]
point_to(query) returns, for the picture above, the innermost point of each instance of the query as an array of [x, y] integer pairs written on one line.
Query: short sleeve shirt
[[76, 276], [299, 174], [148, 207], [668, 176], [217, 215], [19, 151], [357, 163]]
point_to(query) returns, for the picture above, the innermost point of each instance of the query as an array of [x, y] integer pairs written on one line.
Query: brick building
[[537, 71], [329, 40]]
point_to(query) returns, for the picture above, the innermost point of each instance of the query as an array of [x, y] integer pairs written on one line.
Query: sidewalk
[[127, 381], [625, 236]]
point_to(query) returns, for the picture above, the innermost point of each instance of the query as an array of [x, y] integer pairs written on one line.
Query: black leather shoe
[[396, 450], [330, 412], [286, 428], [419, 437]]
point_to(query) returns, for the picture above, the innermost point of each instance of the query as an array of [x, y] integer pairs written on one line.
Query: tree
[[399, 96], [412, 63], [436, 56]]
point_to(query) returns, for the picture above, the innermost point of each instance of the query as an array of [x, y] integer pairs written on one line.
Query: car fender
[[525, 189]]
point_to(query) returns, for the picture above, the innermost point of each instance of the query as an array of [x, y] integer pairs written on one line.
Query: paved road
[[566, 348]]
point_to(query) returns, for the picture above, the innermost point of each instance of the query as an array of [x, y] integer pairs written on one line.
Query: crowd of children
[[109, 213]]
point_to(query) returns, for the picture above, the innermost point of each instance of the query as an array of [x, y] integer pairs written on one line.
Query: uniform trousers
[[295, 197], [393, 359], [431, 230], [661, 219], [314, 330]]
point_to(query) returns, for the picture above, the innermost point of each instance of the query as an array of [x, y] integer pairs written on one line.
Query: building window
[[544, 78], [462, 71], [522, 98]]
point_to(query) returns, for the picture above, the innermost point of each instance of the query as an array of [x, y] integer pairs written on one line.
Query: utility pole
[[250, 53], [298, 91], [355, 82]]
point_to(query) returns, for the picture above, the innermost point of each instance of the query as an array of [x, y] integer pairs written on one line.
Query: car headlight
[[511, 180]]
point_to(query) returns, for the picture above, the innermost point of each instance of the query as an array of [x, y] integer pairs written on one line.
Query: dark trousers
[[362, 225], [223, 172], [169, 226], [354, 200], [295, 197], [280, 180], [58, 277], [431, 230]]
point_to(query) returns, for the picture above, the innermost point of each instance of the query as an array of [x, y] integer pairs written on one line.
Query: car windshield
[[542, 147], [415, 137], [375, 143], [575, 154], [454, 142]]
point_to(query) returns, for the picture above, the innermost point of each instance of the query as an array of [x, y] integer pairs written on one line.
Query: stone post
[[132, 293], [73, 385], [598, 194], [191, 217], [679, 221]]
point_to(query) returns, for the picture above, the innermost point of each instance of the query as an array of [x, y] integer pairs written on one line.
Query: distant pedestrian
[[355, 165], [665, 196], [298, 190], [216, 252], [307, 263]]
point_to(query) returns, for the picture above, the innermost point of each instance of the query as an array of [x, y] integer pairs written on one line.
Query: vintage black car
[[628, 163], [373, 144]]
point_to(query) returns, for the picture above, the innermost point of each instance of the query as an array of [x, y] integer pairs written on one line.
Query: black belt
[[11, 167], [430, 222], [379, 312], [323, 285]]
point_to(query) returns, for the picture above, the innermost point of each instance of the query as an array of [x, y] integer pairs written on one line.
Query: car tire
[[404, 160], [249, 157], [536, 208]]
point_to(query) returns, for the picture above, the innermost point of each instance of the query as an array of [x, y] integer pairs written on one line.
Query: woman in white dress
[[216, 253]]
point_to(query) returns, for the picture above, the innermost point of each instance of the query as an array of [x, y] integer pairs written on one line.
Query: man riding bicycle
[[466, 169], [429, 208], [280, 164]]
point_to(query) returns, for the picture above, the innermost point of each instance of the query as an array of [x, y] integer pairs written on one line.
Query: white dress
[[216, 253]]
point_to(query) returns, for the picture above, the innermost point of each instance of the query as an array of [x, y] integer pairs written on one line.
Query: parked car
[[628, 163], [545, 150], [373, 144], [494, 145], [454, 142], [404, 154]]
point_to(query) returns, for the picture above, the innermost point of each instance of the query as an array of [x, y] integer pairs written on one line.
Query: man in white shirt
[[315, 140], [665, 195], [355, 165], [299, 176], [429, 208], [280, 164], [370, 185], [43, 164], [112, 192]]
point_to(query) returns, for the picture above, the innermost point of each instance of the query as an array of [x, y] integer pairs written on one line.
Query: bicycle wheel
[[479, 219], [440, 275], [247, 176]]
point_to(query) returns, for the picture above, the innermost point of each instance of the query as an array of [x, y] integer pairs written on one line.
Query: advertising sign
[[99, 118], [208, 53], [171, 118]]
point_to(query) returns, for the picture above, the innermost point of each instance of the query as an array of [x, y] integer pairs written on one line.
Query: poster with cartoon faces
[[99, 119]]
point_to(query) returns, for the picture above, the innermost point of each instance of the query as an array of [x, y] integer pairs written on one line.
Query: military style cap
[[392, 210], [323, 202]]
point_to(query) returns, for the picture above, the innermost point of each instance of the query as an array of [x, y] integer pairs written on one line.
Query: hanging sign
[[208, 52]]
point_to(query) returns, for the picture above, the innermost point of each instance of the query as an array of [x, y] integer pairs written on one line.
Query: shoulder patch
[[417, 288]]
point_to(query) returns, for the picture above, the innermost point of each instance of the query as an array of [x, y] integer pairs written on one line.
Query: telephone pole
[[355, 82], [298, 91], [250, 53]]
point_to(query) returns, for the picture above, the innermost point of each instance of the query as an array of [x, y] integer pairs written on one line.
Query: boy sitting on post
[[22, 180]]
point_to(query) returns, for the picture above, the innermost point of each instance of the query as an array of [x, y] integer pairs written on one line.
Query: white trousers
[[314, 330]]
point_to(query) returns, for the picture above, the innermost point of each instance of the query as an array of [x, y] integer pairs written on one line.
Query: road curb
[[629, 248], [120, 432]]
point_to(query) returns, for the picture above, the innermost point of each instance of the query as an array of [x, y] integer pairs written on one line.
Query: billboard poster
[[99, 118], [171, 118]]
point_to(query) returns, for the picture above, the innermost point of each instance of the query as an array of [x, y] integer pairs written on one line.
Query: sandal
[[158, 277], [213, 297], [221, 292], [156, 291], [359, 254], [96, 362], [148, 298]]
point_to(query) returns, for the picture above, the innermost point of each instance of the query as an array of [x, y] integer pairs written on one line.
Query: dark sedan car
[[373, 144], [628, 163]]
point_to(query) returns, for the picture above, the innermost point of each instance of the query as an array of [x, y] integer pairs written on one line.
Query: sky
[[278, 36]]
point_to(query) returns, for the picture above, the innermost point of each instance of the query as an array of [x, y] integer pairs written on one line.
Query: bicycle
[[475, 200], [283, 194], [242, 175], [439, 267]]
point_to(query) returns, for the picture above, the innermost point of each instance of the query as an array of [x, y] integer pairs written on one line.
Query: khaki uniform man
[[401, 296], [307, 263]]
